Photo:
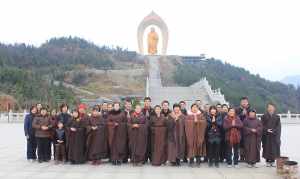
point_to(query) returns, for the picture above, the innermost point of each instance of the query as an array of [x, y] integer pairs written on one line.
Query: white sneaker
[[254, 166], [229, 166], [236, 166], [269, 164], [249, 165]]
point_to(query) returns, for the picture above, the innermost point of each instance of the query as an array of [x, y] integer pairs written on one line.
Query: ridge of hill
[[50, 72]]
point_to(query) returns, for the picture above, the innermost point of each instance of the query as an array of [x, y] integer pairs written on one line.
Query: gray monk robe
[[97, 143], [117, 135], [252, 139], [77, 141], [138, 137], [271, 141]]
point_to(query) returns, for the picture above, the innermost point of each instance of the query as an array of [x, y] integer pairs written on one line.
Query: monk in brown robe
[[252, 138], [176, 136], [158, 125], [195, 129], [77, 139], [271, 135], [97, 144], [138, 136], [117, 134]]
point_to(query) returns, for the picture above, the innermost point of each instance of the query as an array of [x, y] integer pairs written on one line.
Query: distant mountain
[[294, 80], [236, 82]]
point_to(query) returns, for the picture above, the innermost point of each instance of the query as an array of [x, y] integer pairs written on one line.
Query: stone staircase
[[200, 90]]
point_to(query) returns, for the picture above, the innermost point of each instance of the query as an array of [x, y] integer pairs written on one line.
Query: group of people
[[159, 135]]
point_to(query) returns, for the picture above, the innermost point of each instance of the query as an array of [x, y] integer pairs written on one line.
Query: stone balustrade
[[13, 117]]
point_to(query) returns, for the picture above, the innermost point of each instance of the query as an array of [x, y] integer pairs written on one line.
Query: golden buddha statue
[[152, 41]]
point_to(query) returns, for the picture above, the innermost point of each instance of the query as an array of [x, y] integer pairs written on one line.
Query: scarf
[[136, 115]]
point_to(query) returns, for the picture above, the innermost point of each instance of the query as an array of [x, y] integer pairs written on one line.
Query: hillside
[[47, 73], [69, 69], [235, 82]]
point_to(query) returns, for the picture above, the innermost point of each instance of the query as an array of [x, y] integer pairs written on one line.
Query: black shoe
[[198, 161], [114, 162], [217, 164], [177, 162], [185, 160], [125, 161], [40, 161], [210, 163], [119, 162], [191, 162]]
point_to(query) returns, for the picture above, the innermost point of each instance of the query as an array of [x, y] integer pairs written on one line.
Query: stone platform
[[13, 164]]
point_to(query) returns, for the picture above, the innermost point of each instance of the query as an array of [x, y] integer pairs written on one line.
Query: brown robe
[[176, 137], [271, 141], [158, 126], [252, 140], [97, 144], [138, 137], [195, 130], [77, 141], [117, 135]]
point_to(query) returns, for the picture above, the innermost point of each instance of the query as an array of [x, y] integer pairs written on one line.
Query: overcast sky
[[261, 35]]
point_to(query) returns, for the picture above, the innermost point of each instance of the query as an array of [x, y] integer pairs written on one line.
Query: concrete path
[[13, 165]]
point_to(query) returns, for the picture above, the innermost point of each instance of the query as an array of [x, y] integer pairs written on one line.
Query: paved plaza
[[13, 164]]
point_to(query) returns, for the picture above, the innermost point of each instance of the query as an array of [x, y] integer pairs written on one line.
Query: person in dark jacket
[[60, 143], [183, 107], [223, 143], [104, 110], [66, 119], [30, 134], [242, 112], [148, 111], [165, 108], [214, 136], [42, 125], [64, 116]]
